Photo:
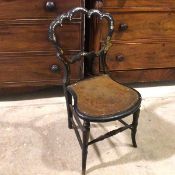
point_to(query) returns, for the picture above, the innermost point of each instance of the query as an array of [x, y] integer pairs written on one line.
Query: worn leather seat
[[101, 98]]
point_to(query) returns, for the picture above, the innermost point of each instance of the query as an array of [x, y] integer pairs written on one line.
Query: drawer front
[[138, 3], [34, 37], [24, 9], [144, 26], [141, 56], [33, 70], [148, 75]]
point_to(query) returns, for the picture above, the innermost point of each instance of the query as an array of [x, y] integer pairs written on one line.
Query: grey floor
[[35, 140]]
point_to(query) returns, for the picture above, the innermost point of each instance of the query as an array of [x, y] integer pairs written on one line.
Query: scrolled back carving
[[68, 16]]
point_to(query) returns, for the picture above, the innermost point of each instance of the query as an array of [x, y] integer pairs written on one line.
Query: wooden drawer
[[146, 75], [33, 70], [144, 48], [139, 3], [34, 37], [141, 56], [29, 9], [143, 26]]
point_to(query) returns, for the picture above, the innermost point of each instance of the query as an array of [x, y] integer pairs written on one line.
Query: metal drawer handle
[[123, 27], [50, 6], [55, 68], [120, 58]]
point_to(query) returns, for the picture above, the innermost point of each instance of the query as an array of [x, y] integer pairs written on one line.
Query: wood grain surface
[[141, 56], [26, 54], [22, 9], [145, 51], [33, 70]]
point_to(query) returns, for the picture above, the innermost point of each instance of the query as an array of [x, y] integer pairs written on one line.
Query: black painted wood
[[78, 119]]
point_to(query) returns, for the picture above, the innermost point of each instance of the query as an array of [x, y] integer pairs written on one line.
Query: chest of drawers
[[27, 58], [143, 47]]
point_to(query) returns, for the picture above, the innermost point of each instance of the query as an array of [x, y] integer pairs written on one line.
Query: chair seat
[[102, 99]]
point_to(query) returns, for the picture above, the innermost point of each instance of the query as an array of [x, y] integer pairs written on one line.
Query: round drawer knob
[[120, 57], [123, 27], [55, 68], [99, 4], [50, 6]]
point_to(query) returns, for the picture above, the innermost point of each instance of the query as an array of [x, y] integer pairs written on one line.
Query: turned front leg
[[86, 131]]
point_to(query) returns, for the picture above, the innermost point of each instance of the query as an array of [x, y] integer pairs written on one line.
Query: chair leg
[[134, 127], [69, 112], [86, 132]]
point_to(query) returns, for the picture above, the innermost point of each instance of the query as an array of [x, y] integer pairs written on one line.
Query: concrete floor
[[35, 140]]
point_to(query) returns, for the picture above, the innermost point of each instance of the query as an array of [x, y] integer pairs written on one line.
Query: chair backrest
[[65, 17]]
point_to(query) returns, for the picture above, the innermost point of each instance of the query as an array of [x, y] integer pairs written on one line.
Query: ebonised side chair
[[99, 98]]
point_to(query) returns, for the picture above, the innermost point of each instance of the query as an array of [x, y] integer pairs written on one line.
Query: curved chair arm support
[[60, 19]]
